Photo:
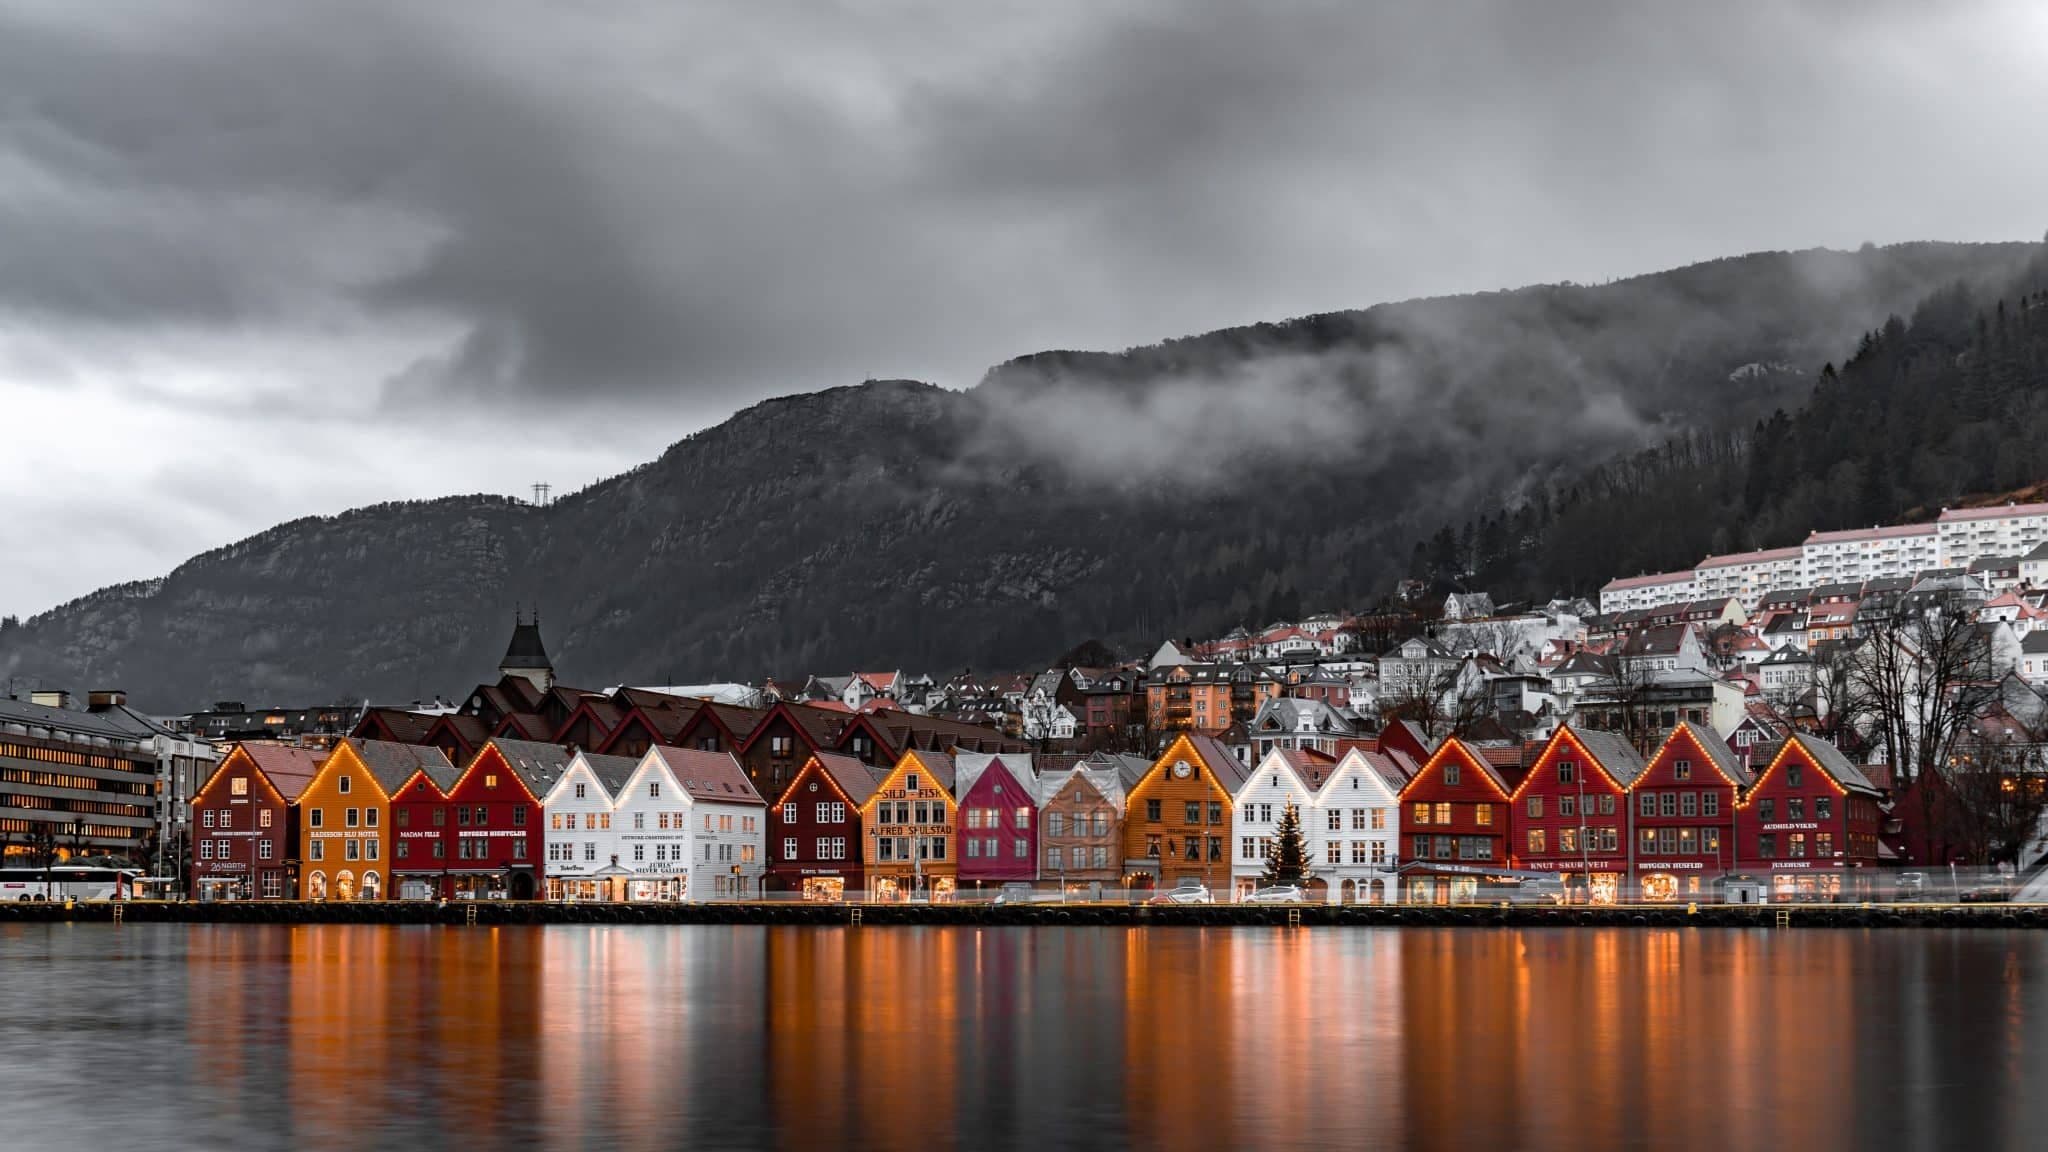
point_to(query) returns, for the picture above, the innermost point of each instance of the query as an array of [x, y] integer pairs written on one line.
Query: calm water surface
[[172, 1036]]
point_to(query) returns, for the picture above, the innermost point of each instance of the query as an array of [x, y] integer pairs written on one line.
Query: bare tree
[[1433, 702], [1993, 800], [1922, 680], [1625, 695]]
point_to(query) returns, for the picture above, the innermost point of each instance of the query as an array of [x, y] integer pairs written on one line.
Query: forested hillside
[[1943, 407]]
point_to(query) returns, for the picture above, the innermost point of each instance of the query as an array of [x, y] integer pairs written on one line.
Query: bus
[[69, 882]]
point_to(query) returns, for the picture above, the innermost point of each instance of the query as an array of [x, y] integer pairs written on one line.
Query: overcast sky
[[264, 260]]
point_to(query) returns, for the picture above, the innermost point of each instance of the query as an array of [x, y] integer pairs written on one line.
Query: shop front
[[418, 885], [1429, 888], [1674, 881], [824, 889], [1584, 881], [492, 884]]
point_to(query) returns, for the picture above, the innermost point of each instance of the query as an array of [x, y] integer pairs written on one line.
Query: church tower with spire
[[526, 656]]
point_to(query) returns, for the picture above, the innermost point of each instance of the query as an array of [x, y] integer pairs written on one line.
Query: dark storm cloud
[[747, 198]]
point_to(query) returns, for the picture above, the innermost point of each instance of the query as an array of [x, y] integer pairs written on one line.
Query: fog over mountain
[[259, 261], [1173, 489]]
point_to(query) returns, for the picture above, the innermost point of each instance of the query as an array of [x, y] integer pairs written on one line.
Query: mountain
[[1175, 489]]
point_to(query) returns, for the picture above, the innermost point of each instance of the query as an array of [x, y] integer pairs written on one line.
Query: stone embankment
[[1051, 915]]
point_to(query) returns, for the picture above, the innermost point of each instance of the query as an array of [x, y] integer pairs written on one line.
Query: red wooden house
[[421, 848], [497, 825], [1570, 813], [1810, 824], [245, 824], [998, 819], [396, 725], [458, 737], [1684, 807], [1454, 825], [815, 829]]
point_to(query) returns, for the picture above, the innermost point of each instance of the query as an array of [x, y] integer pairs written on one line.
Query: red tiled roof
[[712, 776]]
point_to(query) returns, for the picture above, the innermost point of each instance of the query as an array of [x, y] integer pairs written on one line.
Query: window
[[518, 816], [1215, 847], [1193, 812], [206, 818], [1689, 804], [1152, 812], [480, 816], [1482, 815], [404, 849], [1535, 807], [1795, 845], [654, 789], [518, 849], [1451, 773], [319, 850], [1053, 858], [351, 817], [1681, 769], [1335, 820], [910, 782], [1567, 771], [370, 849], [206, 849], [1667, 803], [440, 850], [1443, 813], [1152, 847], [440, 817], [1793, 774], [1567, 805], [569, 821], [1824, 845], [1710, 804], [579, 791], [1420, 848], [1767, 846], [239, 786], [1688, 842], [1421, 814], [1795, 808], [1710, 840], [1568, 840], [1536, 841], [1265, 814], [973, 848], [778, 745], [1379, 817], [344, 785], [1215, 811], [1607, 805], [1647, 842], [1823, 807], [1646, 804], [1766, 810], [490, 779]]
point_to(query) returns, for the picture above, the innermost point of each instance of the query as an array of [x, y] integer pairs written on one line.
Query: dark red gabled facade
[[1570, 813], [1809, 825], [787, 737], [245, 823], [421, 848], [1454, 826], [816, 831], [496, 823], [1684, 808]]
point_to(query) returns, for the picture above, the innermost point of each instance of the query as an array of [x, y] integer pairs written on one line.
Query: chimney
[[105, 699], [50, 698]]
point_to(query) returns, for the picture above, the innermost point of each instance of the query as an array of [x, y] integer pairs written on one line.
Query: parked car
[[1986, 894], [1278, 894], [1189, 892], [1911, 885]]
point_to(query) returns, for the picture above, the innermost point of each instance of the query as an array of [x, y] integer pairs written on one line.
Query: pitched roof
[[526, 650], [1616, 756], [611, 771], [289, 769], [1951, 515], [709, 776], [1831, 761], [408, 726], [1387, 768], [538, 764], [394, 764], [852, 777], [1717, 750]]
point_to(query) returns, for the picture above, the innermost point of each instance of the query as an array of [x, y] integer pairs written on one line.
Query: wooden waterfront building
[[1454, 825], [1178, 817], [344, 831], [421, 845], [496, 820], [816, 829], [910, 849], [1570, 813], [245, 822], [998, 829], [1683, 808], [1809, 824]]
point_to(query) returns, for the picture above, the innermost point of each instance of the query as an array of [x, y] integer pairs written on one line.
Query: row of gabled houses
[[1383, 819]]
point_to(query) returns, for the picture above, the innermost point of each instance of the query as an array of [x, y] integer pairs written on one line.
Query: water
[[341, 1037]]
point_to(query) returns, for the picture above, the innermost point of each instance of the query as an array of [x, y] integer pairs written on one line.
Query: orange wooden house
[[345, 827], [908, 851], [1177, 819]]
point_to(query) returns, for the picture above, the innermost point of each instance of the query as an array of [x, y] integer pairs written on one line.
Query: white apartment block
[[1971, 534], [1632, 592], [1853, 555], [1747, 576]]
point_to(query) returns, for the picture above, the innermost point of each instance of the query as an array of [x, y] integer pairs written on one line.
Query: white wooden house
[[582, 833], [693, 826], [1354, 831], [1283, 776]]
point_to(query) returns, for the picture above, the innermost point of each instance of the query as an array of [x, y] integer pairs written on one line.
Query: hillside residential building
[[1647, 591]]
